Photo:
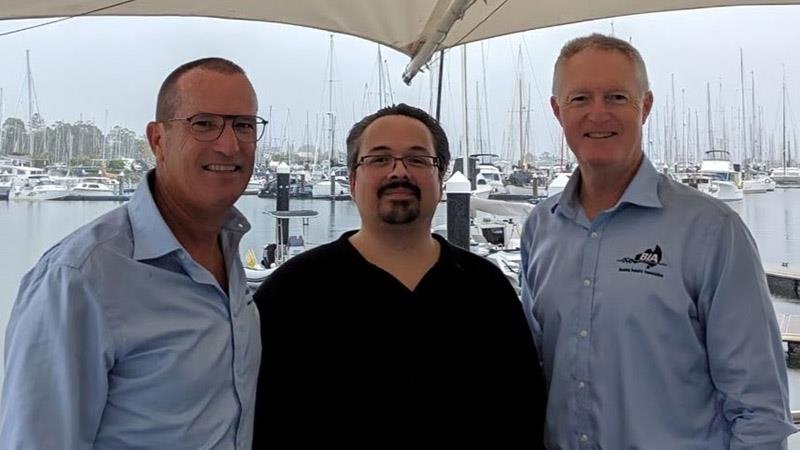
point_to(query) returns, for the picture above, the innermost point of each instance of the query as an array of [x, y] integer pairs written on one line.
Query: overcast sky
[[83, 68]]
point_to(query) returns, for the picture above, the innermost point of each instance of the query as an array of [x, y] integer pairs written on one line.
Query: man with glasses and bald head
[[390, 335], [137, 330]]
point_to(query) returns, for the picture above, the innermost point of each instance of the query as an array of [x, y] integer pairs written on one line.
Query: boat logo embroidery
[[644, 262]]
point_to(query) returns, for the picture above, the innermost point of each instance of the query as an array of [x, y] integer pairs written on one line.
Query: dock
[[790, 333], [95, 198], [514, 197], [789, 325], [783, 281]]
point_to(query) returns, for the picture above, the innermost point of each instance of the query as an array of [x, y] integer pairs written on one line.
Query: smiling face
[[602, 106], [399, 195], [204, 176]]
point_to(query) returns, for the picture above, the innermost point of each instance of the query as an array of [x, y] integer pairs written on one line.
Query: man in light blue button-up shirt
[[646, 298], [137, 330]]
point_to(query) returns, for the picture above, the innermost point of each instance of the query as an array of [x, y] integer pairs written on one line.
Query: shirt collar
[[152, 237], [641, 191]]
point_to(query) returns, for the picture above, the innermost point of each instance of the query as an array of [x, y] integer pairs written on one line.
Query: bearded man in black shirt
[[390, 335]]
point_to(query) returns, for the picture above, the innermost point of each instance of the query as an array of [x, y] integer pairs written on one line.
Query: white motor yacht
[[490, 175], [726, 175], [758, 185], [43, 191], [341, 189], [698, 181], [94, 187]]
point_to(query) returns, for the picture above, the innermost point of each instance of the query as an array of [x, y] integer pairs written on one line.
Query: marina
[[742, 170], [27, 229]]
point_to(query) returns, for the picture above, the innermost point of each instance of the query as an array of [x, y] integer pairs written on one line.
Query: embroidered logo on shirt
[[644, 262]]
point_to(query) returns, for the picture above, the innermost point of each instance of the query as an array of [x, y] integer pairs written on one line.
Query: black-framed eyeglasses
[[208, 127], [389, 162]]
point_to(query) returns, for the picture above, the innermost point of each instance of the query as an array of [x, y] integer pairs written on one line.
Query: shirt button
[[594, 235], [587, 282], [581, 385], [584, 438], [584, 333]]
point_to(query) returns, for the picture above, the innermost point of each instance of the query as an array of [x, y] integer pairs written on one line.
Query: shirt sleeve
[[745, 353], [57, 356]]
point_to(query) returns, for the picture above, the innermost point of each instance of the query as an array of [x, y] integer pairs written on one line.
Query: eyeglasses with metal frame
[[208, 127], [410, 162]]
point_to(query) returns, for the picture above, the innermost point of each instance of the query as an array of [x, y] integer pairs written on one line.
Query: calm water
[[28, 229]]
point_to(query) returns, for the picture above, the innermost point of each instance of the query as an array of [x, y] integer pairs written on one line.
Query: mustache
[[398, 185]]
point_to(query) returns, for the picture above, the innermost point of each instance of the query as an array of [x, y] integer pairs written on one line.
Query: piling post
[[282, 203], [458, 193]]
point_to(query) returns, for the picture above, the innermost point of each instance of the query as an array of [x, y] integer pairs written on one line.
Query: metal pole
[[439, 87]]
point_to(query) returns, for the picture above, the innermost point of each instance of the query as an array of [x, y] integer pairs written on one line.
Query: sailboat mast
[[673, 131], [743, 151], [466, 117], [30, 99], [783, 140], [380, 79], [528, 143], [684, 131], [753, 140], [697, 132], [710, 123], [330, 112], [486, 102], [478, 120], [521, 126]]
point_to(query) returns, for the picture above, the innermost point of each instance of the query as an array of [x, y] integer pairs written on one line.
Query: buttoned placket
[[583, 329], [236, 311]]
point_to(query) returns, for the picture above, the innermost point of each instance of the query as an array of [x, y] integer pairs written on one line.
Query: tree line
[[69, 143]]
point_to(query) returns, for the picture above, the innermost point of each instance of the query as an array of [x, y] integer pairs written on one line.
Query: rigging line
[[62, 19], [466, 35]]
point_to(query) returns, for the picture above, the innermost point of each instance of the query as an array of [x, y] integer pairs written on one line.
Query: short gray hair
[[602, 42]]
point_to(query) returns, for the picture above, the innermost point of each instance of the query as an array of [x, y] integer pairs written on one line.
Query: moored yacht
[[726, 175], [786, 176], [92, 188], [341, 189], [558, 183], [39, 188], [758, 185], [6, 183]]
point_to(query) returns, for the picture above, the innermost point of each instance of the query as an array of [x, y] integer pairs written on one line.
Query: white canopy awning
[[415, 27]]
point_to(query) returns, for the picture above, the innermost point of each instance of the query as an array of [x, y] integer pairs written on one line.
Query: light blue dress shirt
[[654, 323], [118, 339]]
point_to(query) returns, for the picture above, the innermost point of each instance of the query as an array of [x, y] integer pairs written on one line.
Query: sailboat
[[787, 176]]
